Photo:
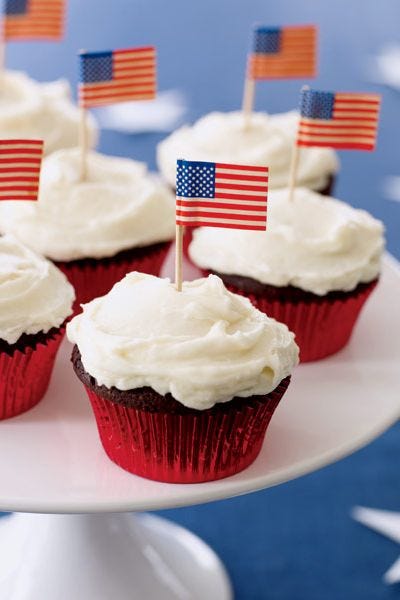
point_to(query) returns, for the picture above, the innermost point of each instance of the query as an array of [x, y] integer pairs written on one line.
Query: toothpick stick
[[248, 100], [293, 170], [178, 257], [83, 143]]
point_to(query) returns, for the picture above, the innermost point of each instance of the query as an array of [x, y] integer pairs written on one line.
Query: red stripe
[[16, 198], [334, 126], [240, 167], [22, 141], [237, 186], [332, 134], [24, 161], [9, 150], [118, 86], [19, 188], [240, 177], [223, 225], [222, 205], [20, 178], [339, 146], [19, 169], [222, 215], [231, 196], [141, 49], [113, 94]]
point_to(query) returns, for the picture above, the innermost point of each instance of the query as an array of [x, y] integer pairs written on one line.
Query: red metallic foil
[[25, 376], [322, 327], [187, 448], [95, 278]]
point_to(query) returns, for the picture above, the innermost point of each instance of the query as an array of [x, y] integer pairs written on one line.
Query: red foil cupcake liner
[[93, 278], [322, 327], [25, 375], [185, 448]]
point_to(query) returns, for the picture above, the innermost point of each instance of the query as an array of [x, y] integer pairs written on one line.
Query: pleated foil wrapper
[[25, 375], [92, 278], [322, 327], [185, 448]]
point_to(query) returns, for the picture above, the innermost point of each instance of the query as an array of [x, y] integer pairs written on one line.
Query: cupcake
[[118, 220], [30, 109], [267, 141], [182, 384], [35, 301], [313, 268]]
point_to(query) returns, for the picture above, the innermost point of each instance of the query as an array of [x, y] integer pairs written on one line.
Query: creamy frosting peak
[[315, 243], [29, 109], [203, 345], [118, 206], [267, 140], [34, 295]]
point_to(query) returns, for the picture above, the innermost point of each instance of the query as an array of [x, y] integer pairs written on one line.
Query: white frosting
[[29, 109], [268, 140], [34, 295], [315, 243], [118, 206], [203, 345]]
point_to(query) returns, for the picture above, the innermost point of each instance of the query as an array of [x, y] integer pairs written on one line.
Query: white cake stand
[[51, 462]]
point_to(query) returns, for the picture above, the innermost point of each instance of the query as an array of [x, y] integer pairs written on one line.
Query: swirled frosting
[[34, 295], [203, 345], [29, 109], [268, 140], [118, 206], [315, 243]]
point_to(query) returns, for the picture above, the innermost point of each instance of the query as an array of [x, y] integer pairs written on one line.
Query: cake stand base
[[106, 557]]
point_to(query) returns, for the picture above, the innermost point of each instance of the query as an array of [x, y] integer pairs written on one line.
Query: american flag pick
[[338, 120], [283, 52], [221, 195], [20, 162], [117, 76], [33, 19]]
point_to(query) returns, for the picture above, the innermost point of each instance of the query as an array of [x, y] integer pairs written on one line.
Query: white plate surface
[[51, 459]]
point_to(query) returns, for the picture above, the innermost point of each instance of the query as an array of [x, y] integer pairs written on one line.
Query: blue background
[[297, 541]]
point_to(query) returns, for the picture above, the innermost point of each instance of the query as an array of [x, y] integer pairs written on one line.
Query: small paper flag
[[221, 195], [117, 76], [283, 52], [338, 120], [33, 19]]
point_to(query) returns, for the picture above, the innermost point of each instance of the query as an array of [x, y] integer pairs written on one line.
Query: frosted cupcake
[[267, 141], [182, 384], [30, 109], [118, 220], [35, 301], [313, 268]]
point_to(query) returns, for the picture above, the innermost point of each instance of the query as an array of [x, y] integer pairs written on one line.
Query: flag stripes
[[287, 52], [117, 76], [20, 162], [338, 120], [34, 19], [221, 195]]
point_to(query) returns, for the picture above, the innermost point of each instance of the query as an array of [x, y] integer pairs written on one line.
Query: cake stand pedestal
[[51, 462]]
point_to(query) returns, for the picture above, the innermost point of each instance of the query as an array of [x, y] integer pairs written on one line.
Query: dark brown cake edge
[[148, 400], [30, 341], [120, 257]]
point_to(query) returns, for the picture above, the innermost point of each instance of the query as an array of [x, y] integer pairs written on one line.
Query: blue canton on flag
[[96, 66], [16, 7], [195, 179], [267, 40], [316, 104]]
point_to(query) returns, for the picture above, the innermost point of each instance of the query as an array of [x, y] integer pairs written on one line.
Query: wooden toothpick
[[178, 257]]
